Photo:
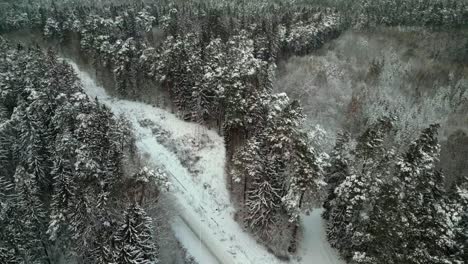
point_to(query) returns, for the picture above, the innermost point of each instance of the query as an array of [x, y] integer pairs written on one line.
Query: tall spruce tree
[[134, 238], [340, 161], [425, 232], [349, 215], [461, 228]]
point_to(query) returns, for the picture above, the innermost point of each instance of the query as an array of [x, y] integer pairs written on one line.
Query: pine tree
[[263, 202], [355, 196], [424, 218], [7, 198], [260, 190], [461, 228], [7, 148], [134, 238], [61, 164], [64, 185], [81, 223], [340, 161], [29, 233], [370, 143], [240, 89], [214, 77], [373, 232]]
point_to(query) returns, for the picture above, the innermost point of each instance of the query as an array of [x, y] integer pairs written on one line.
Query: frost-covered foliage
[[390, 200], [217, 61], [461, 214], [411, 12], [279, 172], [339, 165], [355, 178], [121, 37], [134, 239], [414, 75], [304, 37], [370, 13], [62, 157]]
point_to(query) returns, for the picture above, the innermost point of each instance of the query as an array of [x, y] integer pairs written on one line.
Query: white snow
[[203, 199], [191, 241], [315, 247]]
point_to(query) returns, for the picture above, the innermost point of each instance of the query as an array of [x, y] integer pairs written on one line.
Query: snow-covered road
[[206, 226]]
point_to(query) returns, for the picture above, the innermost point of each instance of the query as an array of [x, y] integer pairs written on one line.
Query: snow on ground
[[206, 225], [315, 247], [192, 243]]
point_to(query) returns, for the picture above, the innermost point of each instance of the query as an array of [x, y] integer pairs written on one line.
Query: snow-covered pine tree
[[279, 171], [7, 200], [33, 147], [144, 21], [246, 165], [121, 136], [303, 181], [28, 219], [52, 133], [64, 186], [240, 87], [340, 160], [371, 142], [178, 68], [134, 238], [426, 232], [263, 202], [372, 233], [356, 194], [304, 186], [262, 189], [81, 223], [7, 148], [214, 76], [102, 248], [97, 169], [125, 51], [170, 23], [341, 213], [461, 228]]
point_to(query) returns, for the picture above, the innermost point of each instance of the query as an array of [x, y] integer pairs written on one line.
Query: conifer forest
[[233, 131]]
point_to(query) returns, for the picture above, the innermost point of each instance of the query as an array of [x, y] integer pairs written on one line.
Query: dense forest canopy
[[358, 107]]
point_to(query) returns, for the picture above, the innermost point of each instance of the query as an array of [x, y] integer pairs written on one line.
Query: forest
[[215, 131]]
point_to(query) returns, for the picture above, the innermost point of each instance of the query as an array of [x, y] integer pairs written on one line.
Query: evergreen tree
[[29, 233], [373, 231], [263, 190], [422, 224], [61, 159], [461, 228], [7, 198], [134, 238], [340, 161], [356, 194], [423, 210], [64, 185]]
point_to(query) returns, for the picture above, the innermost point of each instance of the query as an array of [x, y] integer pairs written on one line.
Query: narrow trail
[[205, 226], [315, 247]]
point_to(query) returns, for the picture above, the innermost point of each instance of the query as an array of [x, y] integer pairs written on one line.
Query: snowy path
[[315, 247], [203, 199]]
